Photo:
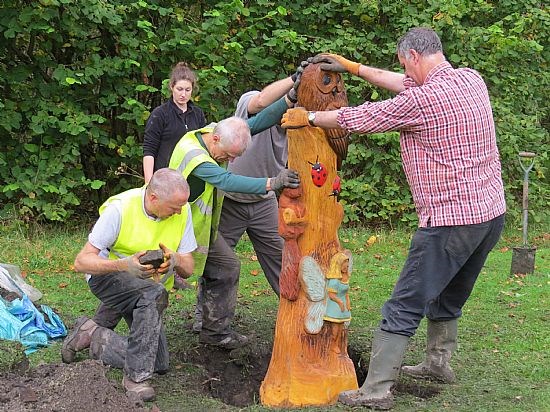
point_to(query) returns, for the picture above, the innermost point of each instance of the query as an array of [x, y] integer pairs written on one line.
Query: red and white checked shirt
[[448, 145]]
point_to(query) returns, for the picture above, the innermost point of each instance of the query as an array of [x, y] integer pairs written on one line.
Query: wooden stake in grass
[[309, 364]]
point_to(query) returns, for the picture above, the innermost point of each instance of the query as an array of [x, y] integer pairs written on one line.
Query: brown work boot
[[78, 339], [143, 390]]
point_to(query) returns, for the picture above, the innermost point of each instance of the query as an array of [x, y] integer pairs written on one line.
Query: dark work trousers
[[218, 290], [145, 301], [260, 220], [109, 318], [439, 274], [111, 348]]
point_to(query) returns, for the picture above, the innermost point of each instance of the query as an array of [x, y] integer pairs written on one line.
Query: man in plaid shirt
[[451, 160]]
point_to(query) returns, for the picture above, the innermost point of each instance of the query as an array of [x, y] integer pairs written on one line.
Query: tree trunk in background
[[310, 364]]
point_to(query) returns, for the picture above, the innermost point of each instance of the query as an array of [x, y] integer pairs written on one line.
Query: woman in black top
[[171, 120]]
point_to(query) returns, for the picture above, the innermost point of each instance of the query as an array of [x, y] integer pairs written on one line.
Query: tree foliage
[[78, 80]]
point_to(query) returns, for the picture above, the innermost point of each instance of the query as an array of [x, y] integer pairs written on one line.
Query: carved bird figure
[[324, 90]]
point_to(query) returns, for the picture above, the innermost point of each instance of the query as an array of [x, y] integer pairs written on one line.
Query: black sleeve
[[153, 131]]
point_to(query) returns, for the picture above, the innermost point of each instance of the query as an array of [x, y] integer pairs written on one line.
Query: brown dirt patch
[[81, 386], [234, 376]]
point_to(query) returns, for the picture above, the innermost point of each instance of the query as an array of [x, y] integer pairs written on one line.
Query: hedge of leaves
[[79, 78]]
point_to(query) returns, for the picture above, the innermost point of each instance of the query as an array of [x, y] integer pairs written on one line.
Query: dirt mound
[[80, 386]]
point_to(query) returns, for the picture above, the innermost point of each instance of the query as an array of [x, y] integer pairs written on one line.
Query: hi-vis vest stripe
[[139, 233], [188, 157], [206, 208]]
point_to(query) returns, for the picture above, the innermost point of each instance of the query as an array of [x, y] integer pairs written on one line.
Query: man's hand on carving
[[336, 63], [285, 178], [295, 118], [292, 95]]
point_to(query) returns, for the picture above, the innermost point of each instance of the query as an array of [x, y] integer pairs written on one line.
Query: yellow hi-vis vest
[[139, 233], [206, 208]]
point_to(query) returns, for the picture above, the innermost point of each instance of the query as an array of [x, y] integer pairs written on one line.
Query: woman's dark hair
[[182, 71]]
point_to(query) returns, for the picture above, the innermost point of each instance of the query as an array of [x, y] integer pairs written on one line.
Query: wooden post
[[310, 364]]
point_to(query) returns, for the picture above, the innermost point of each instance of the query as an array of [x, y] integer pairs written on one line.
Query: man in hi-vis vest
[[129, 224], [202, 156]]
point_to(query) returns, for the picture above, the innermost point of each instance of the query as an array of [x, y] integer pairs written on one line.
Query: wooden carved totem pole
[[310, 364]]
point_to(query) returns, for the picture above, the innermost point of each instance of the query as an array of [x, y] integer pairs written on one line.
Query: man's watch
[[311, 118]]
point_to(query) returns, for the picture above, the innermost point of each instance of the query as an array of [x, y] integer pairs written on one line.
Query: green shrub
[[78, 80]]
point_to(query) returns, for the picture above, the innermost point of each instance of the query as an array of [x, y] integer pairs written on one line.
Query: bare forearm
[[95, 265], [269, 94], [385, 79], [148, 165], [327, 120], [185, 264], [334, 297]]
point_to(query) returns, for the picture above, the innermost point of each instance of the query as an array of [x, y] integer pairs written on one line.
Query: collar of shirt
[[178, 110], [437, 70], [408, 82]]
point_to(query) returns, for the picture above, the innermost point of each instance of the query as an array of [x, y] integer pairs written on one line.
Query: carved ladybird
[[336, 187], [318, 173]]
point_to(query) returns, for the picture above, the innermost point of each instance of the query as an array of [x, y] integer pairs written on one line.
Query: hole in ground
[[234, 377]]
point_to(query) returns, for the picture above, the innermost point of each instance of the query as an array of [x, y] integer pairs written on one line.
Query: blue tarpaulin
[[21, 321]]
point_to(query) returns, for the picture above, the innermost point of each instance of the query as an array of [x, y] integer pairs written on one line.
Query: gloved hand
[[285, 178], [131, 265], [336, 63], [295, 118], [292, 94], [300, 69], [170, 260]]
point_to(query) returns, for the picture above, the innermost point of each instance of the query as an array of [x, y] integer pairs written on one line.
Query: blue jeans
[[439, 274]]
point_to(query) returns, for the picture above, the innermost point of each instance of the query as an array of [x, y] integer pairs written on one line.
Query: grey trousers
[[217, 292], [217, 288], [260, 221], [439, 274], [143, 301]]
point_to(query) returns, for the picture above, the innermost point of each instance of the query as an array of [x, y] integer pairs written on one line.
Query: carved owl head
[[324, 90]]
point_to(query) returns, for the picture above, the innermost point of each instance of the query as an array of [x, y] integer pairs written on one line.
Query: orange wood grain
[[309, 369]]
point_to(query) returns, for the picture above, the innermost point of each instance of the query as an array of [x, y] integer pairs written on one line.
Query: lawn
[[502, 362]]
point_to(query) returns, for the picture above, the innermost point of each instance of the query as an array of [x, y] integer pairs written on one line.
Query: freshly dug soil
[[234, 377], [80, 386]]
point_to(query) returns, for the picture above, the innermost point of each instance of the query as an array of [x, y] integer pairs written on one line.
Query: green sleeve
[[227, 181], [270, 116]]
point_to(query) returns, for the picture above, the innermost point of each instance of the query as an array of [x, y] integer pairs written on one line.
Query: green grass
[[503, 358]]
